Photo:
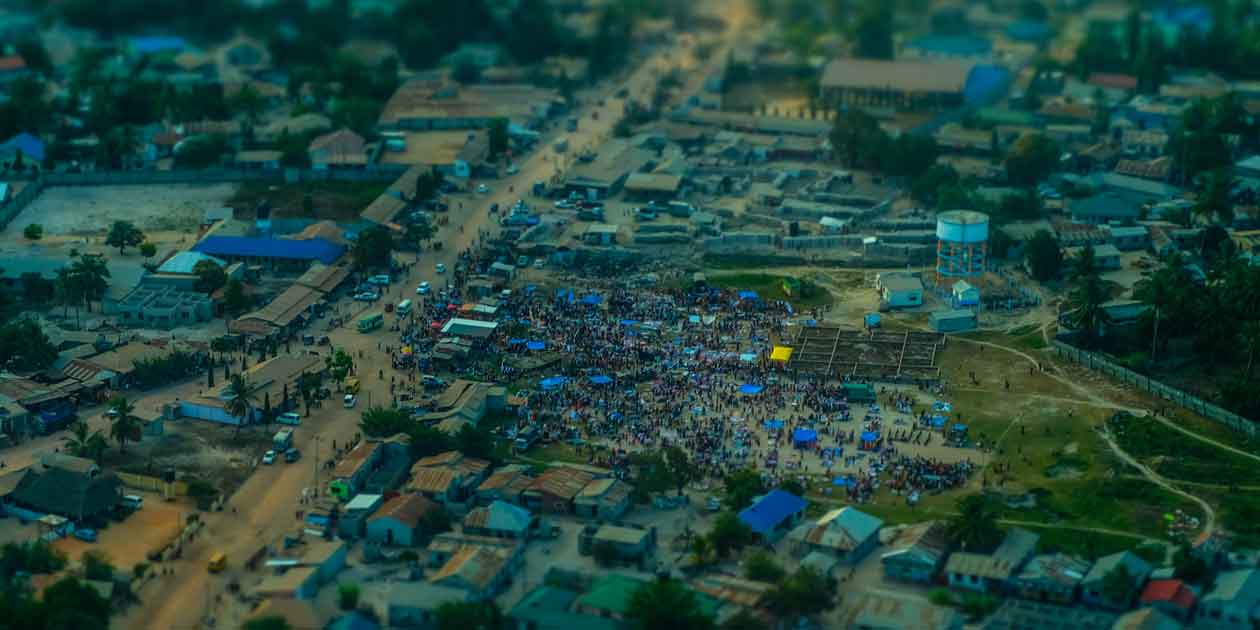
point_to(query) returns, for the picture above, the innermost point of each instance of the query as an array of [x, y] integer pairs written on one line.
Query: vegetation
[[742, 486], [148, 373], [803, 594], [469, 616], [348, 596], [33, 232], [1031, 159], [859, 142], [83, 442], [124, 426], [124, 234], [762, 566], [373, 249], [666, 604], [974, 527]]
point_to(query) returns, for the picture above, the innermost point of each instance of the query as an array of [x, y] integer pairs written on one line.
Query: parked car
[[86, 534], [513, 169], [133, 501], [440, 268], [424, 288], [381, 280], [269, 457], [292, 455], [564, 204], [494, 208], [483, 189], [366, 296], [349, 401], [290, 418]]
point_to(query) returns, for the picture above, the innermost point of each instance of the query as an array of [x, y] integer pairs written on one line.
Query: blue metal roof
[[147, 45], [31, 146], [293, 249], [952, 44], [770, 510]]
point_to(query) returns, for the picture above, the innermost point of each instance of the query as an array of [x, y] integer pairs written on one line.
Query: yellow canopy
[[781, 353]]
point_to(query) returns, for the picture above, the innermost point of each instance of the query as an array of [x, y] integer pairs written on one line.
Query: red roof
[[1173, 591], [1114, 81], [12, 62]]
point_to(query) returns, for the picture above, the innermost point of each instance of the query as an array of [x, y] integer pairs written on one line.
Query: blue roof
[[157, 43], [750, 388], [952, 44], [768, 511], [1028, 31], [31, 146], [319, 249], [804, 435], [984, 83]]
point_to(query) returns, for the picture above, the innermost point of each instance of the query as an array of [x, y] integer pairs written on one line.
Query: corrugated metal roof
[[907, 76], [184, 262], [290, 249], [772, 509]]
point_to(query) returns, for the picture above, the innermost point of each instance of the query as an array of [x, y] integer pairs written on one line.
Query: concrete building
[[605, 499], [1104, 208], [900, 289], [422, 104], [400, 520], [600, 234], [1132, 238], [633, 544], [953, 321], [1092, 590], [606, 174], [1233, 602], [1107, 256], [989, 573], [164, 307], [1051, 578]]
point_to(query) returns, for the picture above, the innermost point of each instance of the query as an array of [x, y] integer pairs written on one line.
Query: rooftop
[[256, 247], [408, 509], [562, 481], [770, 510], [908, 76]]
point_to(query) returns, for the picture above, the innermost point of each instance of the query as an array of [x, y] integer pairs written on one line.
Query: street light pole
[[316, 465]]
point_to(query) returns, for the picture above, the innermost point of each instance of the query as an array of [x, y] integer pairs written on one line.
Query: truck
[[351, 384], [525, 439], [283, 439], [371, 322], [561, 145]]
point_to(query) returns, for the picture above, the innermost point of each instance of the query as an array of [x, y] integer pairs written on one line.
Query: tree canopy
[[666, 604]]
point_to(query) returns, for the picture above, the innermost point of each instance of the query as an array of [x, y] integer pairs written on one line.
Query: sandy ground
[[84, 210], [129, 542]]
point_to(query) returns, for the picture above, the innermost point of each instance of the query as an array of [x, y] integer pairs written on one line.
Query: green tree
[[761, 566], [33, 232], [926, 186], [470, 616], [729, 534], [534, 32], [974, 527], [148, 250], [1118, 585], [853, 136], [270, 622], [383, 422], [417, 233], [373, 249], [682, 470], [1086, 308], [124, 234], [241, 401], [308, 204], [1214, 201], [665, 604], [874, 31], [465, 70], [210, 276], [702, 553], [1031, 159], [1161, 290], [83, 442], [475, 442], [1084, 264], [234, 299], [348, 596], [339, 365], [498, 137], [803, 594], [124, 425], [742, 486], [96, 566], [24, 346], [85, 279], [248, 102], [1043, 256], [1249, 336], [743, 620]]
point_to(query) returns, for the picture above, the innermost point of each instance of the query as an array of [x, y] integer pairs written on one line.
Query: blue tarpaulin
[[552, 382], [515, 341], [960, 427], [592, 299], [938, 421], [600, 379], [566, 295], [774, 424], [628, 322], [536, 345], [804, 436], [870, 436], [750, 388], [695, 319], [748, 295], [942, 406]]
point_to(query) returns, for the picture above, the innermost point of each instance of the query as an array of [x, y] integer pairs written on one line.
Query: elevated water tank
[[962, 245]]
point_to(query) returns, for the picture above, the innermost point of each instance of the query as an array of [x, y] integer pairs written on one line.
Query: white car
[[367, 296], [424, 288], [440, 268], [483, 189], [269, 457], [349, 401], [289, 418]]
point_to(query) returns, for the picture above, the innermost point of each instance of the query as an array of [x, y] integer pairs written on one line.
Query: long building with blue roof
[[772, 515], [298, 253]]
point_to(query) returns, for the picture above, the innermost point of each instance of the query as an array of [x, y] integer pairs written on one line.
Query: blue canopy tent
[[749, 295], [750, 389], [592, 300], [566, 295], [960, 428], [553, 382], [804, 437], [843, 482], [600, 379], [872, 320], [628, 322], [942, 406], [616, 416], [694, 319], [938, 421], [774, 424], [536, 345], [869, 438], [515, 341]]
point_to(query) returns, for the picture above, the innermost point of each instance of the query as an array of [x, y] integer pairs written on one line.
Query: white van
[[132, 501], [289, 418], [404, 307]]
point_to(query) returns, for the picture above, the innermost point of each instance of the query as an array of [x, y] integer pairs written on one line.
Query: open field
[[770, 287], [128, 543], [86, 210], [332, 200]]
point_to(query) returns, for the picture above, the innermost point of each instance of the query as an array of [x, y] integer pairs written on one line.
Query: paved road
[[264, 508]]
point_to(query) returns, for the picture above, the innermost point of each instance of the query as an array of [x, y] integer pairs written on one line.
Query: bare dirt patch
[[85, 210]]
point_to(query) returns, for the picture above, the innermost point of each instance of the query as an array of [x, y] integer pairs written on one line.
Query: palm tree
[[90, 275], [974, 528], [701, 551], [125, 424], [1251, 339], [240, 396], [1160, 290], [665, 604], [1088, 314], [83, 442], [1085, 264]]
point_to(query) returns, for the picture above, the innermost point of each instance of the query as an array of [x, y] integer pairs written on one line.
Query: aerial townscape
[[630, 314]]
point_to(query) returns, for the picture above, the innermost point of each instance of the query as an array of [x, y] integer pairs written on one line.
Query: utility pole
[[316, 465]]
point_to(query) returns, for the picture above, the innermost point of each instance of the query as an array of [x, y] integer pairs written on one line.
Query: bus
[[404, 307], [371, 322]]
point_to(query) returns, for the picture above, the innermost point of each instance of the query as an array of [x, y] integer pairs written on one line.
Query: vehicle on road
[[564, 204], [351, 384], [349, 401], [432, 382], [483, 189], [538, 263], [381, 280], [290, 418], [404, 308], [424, 288], [525, 439], [513, 169], [292, 455], [218, 562], [269, 457], [714, 505], [86, 534], [561, 145], [494, 208], [282, 439], [371, 322], [644, 214], [133, 501], [522, 261], [366, 296], [439, 268]]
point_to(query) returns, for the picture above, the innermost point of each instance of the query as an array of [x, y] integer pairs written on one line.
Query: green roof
[[612, 593], [548, 607], [1003, 116]]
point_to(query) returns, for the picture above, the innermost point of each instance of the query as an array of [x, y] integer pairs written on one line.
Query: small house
[[1106, 256], [964, 294], [1233, 602], [1171, 597], [992, 572], [884, 610], [415, 604], [774, 514], [1146, 619], [605, 499], [552, 607], [505, 484], [400, 521], [1092, 591], [500, 519], [846, 533], [916, 553], [900, 289], [1051, 578], [953, 320], [339, 149], [1132, 238], [632, 544], [600, 234], [555, 490], [482, 571]]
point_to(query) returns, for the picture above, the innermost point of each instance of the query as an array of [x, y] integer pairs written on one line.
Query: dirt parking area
[[129, 542], [91, 209]]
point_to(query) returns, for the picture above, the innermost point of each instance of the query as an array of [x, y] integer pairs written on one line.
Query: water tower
[[962, 244]]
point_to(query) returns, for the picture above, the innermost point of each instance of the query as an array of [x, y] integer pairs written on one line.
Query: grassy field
[[1174, 456], [770, 287], [332, 200]]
